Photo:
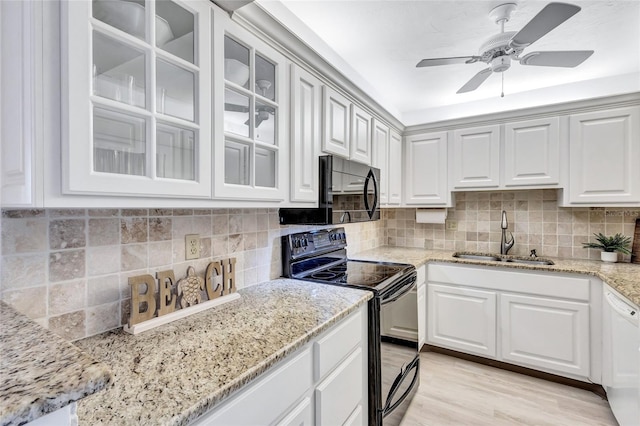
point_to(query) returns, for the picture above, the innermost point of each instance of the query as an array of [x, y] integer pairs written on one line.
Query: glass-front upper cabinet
[[137, 101], [250, 153]]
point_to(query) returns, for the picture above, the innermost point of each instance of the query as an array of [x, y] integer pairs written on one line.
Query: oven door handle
[[388, 408], [404, 289], [371, 209]]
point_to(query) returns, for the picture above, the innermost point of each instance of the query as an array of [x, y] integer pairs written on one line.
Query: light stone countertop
[[41, 372], [622, 277], [175, 373]]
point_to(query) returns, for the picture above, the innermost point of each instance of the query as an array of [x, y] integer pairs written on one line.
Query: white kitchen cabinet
[[536, 320], [462, 319], [394, 170], [475, 157], [336, 123], [252, 163], [325, 382], [425, 170], [136, 104], [604, 153], [544, 333], [381, 158], [532, 153], [306, 99], [360, 143], [422, 305]]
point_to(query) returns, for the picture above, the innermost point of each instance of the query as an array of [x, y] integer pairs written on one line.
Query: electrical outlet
[[451, 225], [192, 246]]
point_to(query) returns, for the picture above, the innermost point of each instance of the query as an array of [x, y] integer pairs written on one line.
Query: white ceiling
[[377, 44]]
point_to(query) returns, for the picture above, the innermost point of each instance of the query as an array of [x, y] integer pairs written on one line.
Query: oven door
[[400, 360]]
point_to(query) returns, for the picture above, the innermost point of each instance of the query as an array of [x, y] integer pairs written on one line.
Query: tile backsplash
[[534, 218], [69, 269]]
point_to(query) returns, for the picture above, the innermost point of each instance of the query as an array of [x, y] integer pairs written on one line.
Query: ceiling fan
[[499, 50], [262, 111]]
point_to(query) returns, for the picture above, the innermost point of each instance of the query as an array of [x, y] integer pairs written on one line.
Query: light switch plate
[[192, 246]]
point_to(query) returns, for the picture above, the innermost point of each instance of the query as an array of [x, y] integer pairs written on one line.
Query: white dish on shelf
[[129, 17], [236, 72]]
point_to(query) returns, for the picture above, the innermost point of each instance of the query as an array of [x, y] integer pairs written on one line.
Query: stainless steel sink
[[532, 261], [500, 258], [476, 256]]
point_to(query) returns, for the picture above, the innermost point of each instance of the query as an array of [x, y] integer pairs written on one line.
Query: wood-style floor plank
[[459, 392]]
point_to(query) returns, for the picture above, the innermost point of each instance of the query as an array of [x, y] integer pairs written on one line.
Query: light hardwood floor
[[458, 392]]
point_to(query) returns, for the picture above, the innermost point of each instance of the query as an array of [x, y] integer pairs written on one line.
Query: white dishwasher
[[621, 357]]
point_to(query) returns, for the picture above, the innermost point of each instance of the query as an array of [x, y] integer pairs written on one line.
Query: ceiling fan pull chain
[[502, 94]]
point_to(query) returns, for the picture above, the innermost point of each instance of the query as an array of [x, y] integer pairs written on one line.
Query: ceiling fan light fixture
[[500, 63]]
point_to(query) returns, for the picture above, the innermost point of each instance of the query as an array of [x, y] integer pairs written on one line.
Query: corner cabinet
[[306, 105], [425, 171], [250, 88], [604, 154], [136, 98]]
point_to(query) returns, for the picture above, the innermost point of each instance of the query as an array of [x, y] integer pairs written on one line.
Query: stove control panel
[[309, 243]]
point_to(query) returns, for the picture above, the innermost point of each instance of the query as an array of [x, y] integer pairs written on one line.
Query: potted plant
[[609, 246]]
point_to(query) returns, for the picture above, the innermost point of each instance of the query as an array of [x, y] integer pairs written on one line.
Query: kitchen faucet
[[505, 245]]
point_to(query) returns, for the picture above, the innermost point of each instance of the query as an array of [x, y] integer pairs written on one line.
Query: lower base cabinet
[[536, 320], [324, 383]]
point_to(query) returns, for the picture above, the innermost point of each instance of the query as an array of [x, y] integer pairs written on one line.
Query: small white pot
[[609, 256]]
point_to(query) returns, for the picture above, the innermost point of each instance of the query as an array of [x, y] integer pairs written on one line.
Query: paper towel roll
[[431, 215]]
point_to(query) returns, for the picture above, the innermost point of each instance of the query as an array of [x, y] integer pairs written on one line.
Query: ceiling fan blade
[[447, 61], [567, 59], [546, 20], [235, 108], [475, 81]]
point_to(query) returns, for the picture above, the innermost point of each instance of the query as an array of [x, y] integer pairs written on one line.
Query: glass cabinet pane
[[236, 113], [119, 143], [265, 167], [236, 62], [118, 71], [128, 16], [175, 91], [265, 78], [175, 29], [265, 122], [237, 166], [175, 152]]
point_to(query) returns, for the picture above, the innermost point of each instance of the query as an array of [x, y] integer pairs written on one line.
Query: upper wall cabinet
[[336, 121], [251, 142], [532, 152], [604, 158], [425, 170], [306, 104], [475, 157], [136, 97], [360, 146], [395, 168], [380, 157]]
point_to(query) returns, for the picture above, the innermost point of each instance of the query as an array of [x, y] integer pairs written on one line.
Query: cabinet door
[[136, 109], [360, 135], [426, 169], [381, 158], [335, 118], [250, 113], [475, 159], [547, 334], [463, 319], [604, 155], [532, 153], [394, 170], [305, 138], [422, 314], [300, 416]]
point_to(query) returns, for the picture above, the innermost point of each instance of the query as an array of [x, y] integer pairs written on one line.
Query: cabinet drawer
[[334, 346], [503, 279], [299, 416], [288, 382], [338, 396]]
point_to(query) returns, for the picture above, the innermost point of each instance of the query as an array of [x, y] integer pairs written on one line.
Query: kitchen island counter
[[623, 277], [41, 372], [175, 373]]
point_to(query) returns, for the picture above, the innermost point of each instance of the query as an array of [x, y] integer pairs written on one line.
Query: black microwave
[[348, 192]]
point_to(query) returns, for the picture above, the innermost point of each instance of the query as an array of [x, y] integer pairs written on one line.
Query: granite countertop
[[175, 373], [623, 277], [41, 372]]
